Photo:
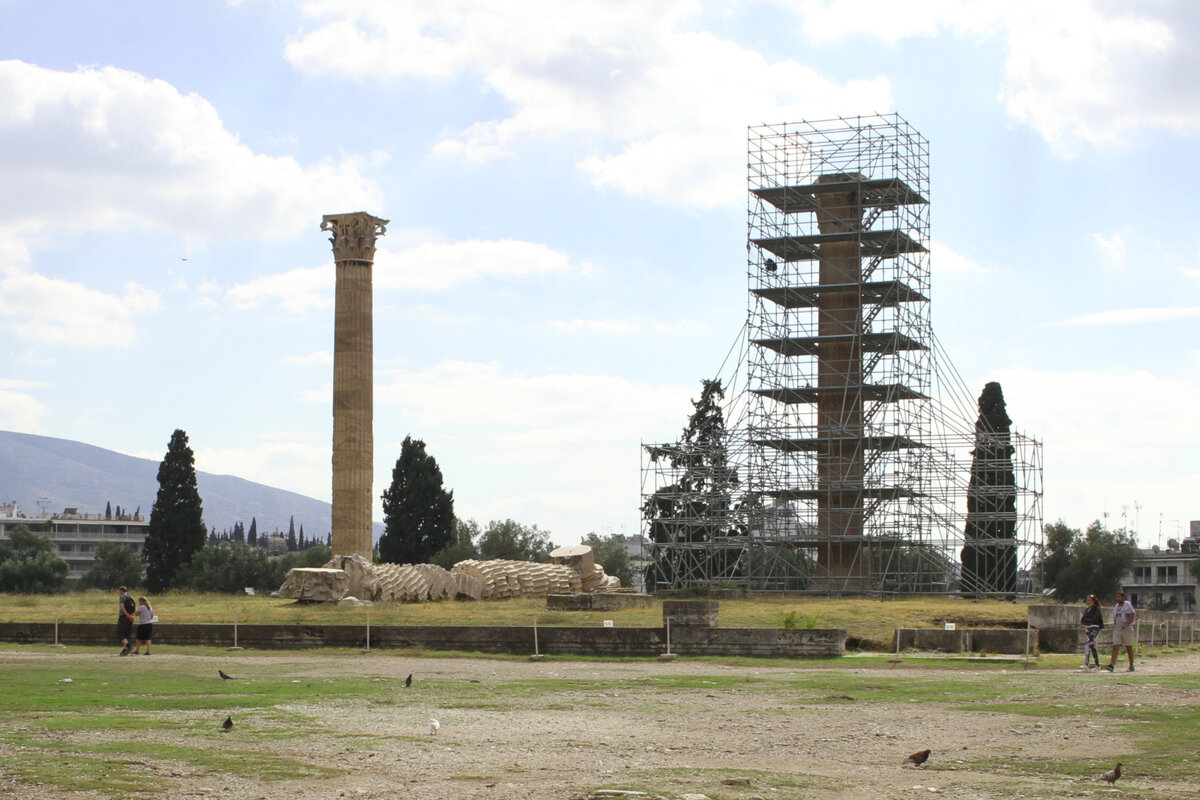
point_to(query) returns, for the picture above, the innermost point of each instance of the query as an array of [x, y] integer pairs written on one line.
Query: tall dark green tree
[[989, 554], [695, 509], [292, 544], [418, 513], [252, 534], [176, 531]]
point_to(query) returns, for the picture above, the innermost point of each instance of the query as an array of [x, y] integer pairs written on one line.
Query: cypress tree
[[417, 511], [176, 528], [989, 554]]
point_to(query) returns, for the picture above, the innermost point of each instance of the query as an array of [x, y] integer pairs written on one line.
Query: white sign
[[608, 623], [949, 626]]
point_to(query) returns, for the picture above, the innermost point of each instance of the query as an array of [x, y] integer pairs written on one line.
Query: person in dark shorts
[[125, 613], [1093, 622], [145, 625]]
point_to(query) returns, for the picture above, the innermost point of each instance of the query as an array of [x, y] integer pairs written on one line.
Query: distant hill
[[59, 473]]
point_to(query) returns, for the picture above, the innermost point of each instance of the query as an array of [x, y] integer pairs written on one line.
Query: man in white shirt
[[1124, 634]]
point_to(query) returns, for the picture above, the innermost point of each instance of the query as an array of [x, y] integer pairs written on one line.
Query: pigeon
[[771, 265], [433, 727], [1112, 775], [224, 677], [227, 725], [918, 758], [408, 681]]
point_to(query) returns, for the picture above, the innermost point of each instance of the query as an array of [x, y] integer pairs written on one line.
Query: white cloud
[[664, 107], [540, 448], [619, 327], [282, 461], [19, 411], [1112, 251], [1129, 316], [1106, 432], [98, 148], [315, 357], [1076, 71], [54, 311], [945, 260], [295, 291], [437, 266]]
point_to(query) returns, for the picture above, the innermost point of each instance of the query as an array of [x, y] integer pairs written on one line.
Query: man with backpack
[[125, 609]]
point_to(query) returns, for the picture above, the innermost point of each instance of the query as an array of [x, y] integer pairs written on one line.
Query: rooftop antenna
[[1137, 508], [43, 504]]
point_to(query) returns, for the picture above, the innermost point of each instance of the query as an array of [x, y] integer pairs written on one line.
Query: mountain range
[[41, 473]]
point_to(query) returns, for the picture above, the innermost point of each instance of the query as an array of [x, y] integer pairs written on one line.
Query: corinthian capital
[[354, 235]]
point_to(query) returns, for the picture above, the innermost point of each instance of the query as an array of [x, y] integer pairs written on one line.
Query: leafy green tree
[[1093, 562], [115, 565], [611, 554], [514, 541], [229, 569], [418, 513], [317, 555], [29, 565], [462, 548], [695, 510], [252, 534], [176, 531], [989, 554]]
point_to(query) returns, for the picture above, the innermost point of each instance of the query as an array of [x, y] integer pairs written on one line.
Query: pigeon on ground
[[224, 677], [1112, 775], [433, 727], [918, 758], [227, 725], [408, 681]]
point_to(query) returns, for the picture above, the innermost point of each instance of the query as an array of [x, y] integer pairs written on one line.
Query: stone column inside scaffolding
[[841, 565], [353, 405]]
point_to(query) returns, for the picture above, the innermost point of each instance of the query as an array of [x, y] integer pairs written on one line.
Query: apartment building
[[76, 534]]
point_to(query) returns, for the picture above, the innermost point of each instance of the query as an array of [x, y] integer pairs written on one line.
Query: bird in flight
[[918, 758], [224, 677], [1112, 775], [433, 727], [227, 725], [408, 681]]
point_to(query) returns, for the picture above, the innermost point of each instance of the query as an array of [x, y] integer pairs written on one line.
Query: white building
[[75, 534], [1162, 580]]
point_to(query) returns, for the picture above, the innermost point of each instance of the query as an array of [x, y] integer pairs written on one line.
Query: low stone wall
[[1059, 630], [598, 601], [598, 641], [962, 640]]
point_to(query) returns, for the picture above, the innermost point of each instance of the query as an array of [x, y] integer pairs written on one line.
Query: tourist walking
[[1124, 634], [145, 628], [125, 611], [1093, 622]]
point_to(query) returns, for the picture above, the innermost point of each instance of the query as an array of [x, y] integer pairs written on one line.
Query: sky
[[566, 254]]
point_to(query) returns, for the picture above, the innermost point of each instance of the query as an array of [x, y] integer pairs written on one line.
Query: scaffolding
[[859, 466]]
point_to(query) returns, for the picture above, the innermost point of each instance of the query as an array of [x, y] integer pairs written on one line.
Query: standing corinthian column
[[353, 405]]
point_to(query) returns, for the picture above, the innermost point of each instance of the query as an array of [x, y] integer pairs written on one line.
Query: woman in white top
[[145, 626]]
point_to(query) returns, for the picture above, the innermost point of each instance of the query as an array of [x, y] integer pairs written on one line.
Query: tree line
[[181, 553]]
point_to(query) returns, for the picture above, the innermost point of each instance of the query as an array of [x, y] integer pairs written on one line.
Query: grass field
[[339, 723], [864, 619]]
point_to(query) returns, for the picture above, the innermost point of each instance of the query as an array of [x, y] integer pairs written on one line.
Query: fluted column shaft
[[353, 380]]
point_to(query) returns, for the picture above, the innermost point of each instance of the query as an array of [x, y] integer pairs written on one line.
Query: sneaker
[[1108, 667], [146, 653], [1130, 669], [1083, 666], [124, 651]]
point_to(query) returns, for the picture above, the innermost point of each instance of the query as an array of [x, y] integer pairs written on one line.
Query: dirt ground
[[717, 742]]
